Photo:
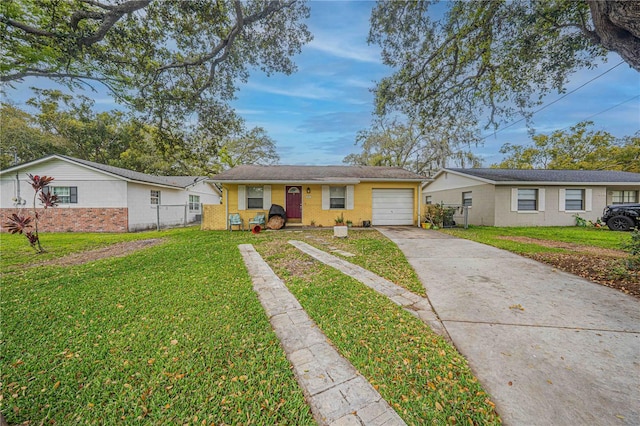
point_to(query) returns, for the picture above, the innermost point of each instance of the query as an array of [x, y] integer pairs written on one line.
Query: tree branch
[[110, 19], [26, 28]]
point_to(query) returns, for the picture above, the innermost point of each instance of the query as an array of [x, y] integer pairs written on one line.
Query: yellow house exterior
[[317, 195]]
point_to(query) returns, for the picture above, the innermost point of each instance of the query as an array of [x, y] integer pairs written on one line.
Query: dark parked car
[[621, 217]]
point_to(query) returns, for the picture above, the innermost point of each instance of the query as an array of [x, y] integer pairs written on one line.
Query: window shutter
[[325, 197], [242, 197], [588, 199], [541, 198], [514, 199], [73, 192], [349, 201], [266, 197], [562, 199]]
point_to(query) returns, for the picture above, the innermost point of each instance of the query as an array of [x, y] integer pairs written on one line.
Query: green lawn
[[597, 237], [175, 334]]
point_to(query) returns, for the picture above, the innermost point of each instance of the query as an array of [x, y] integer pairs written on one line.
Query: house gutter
[[225, 200], [327, 181], [419, 203]]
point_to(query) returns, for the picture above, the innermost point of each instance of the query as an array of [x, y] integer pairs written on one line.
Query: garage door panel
[[392, 207]]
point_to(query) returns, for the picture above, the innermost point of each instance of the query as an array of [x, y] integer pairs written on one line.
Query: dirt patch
[[603, 270], [569, 246], [114, 250], [603, 266]]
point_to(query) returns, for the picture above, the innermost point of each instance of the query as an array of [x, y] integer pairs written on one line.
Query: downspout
[[419, 202], [18, 199], [225, 200]]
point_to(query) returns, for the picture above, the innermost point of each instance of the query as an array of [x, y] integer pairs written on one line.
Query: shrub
[[438, 215], [20, 223]]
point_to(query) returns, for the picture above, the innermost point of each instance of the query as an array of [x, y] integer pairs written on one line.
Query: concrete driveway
[[550, 347]]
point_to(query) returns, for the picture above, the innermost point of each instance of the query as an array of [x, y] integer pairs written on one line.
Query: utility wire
[[559, 99], [608, 109]]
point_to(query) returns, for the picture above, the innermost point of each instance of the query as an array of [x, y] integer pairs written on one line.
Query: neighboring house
[[506, 197], [319, 194], [94, 197]]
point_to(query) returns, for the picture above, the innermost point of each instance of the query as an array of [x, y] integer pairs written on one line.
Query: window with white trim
[[255, 197], [194, 203], [337, 197], [155, 197], [467, 199], [624, 197], [527, 199], [65, 194], [574, 199]]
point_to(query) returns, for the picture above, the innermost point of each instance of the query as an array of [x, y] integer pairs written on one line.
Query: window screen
[[527, 199]]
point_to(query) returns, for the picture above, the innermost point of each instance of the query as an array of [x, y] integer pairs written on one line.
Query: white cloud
[[341, 48], [305, 91]]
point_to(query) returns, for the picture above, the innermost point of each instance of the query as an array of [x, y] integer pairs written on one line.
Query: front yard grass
[[175, 334], [592, 253], [170, 335]]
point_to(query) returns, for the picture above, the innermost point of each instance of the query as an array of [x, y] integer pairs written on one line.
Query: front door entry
[[294, 203]]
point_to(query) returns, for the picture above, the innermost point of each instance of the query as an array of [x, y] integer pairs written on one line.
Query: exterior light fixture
[[308, 190]]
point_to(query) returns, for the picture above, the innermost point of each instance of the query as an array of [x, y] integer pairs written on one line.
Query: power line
[[559, 99], [605, 110]]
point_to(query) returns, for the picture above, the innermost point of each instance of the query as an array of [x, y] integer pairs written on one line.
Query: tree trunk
[[617, 24]]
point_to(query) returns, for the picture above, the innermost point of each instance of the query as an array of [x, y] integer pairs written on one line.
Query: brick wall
[[75, 220], [213, 217]]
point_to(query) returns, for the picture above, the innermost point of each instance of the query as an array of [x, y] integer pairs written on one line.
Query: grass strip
[[596, 237], [170, 334], [425, 379], [372, 251]]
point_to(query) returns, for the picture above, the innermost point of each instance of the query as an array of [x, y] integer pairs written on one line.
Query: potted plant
[[340, 229], [433, 216]]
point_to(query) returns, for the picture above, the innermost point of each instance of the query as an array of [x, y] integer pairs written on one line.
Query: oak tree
[[249, 147], [581, 148], [171, 61], [491, 59], [417, 147]]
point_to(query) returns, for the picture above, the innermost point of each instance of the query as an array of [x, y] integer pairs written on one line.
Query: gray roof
[[173, 181], [561, 176], [256, 173]]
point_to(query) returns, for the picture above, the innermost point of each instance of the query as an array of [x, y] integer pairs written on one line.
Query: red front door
[[294, 202]]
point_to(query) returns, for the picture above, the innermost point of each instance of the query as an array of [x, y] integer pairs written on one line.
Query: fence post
[[185, 214], [157, 217], [466, 217]]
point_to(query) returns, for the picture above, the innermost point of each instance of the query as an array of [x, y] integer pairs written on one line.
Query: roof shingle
[[176, 181], [315, 173], [582, 176]]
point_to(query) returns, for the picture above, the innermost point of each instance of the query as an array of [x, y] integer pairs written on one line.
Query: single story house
[[94, 197], [507, 197], [316, 195]]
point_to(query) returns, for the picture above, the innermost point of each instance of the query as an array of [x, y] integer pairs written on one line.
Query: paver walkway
[[411, 302], [337, 394], [550, 347]]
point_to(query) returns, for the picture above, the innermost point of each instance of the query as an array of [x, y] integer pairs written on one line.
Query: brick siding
[[75, 220], [213, 217]]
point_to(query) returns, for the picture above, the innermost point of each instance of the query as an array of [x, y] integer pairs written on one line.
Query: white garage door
[[392, 207]]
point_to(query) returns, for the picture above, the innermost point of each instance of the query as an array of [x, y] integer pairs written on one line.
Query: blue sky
[[315, 114]]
